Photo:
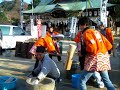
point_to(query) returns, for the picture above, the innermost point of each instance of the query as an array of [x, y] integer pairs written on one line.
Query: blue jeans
[[85, 75], [98, 78]]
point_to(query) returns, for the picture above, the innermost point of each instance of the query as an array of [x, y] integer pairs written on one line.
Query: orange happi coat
[[109, 35], [97, 58], [46, 42], [77, 40], [96, 42]]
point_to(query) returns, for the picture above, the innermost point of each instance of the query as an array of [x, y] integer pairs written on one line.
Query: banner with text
[[103, 12], [39, 27]]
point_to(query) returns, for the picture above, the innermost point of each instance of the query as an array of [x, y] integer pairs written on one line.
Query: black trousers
[[0, 50], [81, 60]]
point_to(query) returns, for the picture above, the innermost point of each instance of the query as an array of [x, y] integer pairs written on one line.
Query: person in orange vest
[[81, 54], [46, 42], [51, 33], [107, 32], [96, 54]]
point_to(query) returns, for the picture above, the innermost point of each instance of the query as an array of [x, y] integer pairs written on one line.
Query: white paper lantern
[[90, 13], [95, 13], [83, 14], [98, 13]]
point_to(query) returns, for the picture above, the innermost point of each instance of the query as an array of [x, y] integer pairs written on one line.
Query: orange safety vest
[[46, 42], [109, 35], [96, 42]]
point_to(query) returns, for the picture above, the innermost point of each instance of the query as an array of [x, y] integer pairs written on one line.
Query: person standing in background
[[107, 32], [1, 37], [51, 33]]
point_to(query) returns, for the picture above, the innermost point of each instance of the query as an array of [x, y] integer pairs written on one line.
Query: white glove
[[35, 82], [29, 80]]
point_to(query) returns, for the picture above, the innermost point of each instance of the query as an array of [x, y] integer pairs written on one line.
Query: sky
[[28, 1]]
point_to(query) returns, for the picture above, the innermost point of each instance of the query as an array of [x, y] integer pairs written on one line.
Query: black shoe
[[58, 80]]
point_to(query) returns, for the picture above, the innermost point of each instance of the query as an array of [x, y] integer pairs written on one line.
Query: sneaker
[[101, 85]]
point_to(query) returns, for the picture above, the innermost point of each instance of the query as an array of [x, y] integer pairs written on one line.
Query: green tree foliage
[[7, 6], [14, 21], [3, 18], [29, 7], [36, 3], [11, 9]]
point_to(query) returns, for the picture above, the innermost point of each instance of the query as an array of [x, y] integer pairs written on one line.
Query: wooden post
[[70, 56]]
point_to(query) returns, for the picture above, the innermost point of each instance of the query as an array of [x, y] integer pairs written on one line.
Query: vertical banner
[[72, 21], [39, 28], [73, 25], [103, 12], [32, 24]]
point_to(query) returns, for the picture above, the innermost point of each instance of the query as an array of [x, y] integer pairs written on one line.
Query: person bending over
[[45, 66]]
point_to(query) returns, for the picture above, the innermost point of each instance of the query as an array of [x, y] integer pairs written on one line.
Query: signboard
[[32, 24], [72, 24], [103, 12]]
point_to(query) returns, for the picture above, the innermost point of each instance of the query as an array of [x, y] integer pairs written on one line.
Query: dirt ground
[[21, 67]]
